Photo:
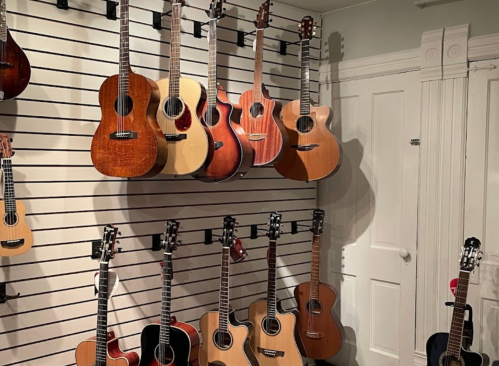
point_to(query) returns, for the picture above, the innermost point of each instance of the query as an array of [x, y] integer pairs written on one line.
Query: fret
[[212, 72], [305, 78], [258, 77], [314, 275], [102, 313], [271, 291], [224, 292], [3, 21], [457, 324], [123, 83], [175, 50], [9, 194], [164, 332]]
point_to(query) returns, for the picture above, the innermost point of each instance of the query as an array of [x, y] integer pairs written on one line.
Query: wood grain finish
[[234, 158], [86, 352], [16, 72], [18, 231], [267, 134], [326, 324], [284, 341], [321, 161], [144, 156]]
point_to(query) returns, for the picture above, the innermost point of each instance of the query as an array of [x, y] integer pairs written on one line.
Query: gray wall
[[384, 26]]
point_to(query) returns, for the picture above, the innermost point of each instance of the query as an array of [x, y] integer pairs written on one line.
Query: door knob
[[405, 254]]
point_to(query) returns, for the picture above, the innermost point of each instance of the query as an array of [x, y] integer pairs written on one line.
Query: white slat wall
[[68, 201]]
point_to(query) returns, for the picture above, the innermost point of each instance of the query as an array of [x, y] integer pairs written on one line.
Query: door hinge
[[415, 142]]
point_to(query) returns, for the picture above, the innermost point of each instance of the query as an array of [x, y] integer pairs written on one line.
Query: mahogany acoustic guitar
[[15, 236], [190, 144], [103, 349], [128, 142], [169, 342], [233, 154], [15, 70], [314, 152], [260, 114], [321, 333]]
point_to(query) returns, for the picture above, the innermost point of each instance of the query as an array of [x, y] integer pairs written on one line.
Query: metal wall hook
[[157, 19], [3, 295], [283, 46], [62, 4]]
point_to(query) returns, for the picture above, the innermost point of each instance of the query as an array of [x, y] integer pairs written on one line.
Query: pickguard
[[184, 122]]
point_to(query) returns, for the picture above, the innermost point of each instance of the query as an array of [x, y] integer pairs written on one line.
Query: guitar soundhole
[[271, 326], [257, 110], [173, 108], [305, 124], [10, 219], [215, 117], [164, 355], [314, 307], [222, 340], [123, 105], [446, 360]]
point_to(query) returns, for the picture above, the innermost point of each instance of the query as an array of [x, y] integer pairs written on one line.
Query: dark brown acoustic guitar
[[233, 152], [314, 152], [15, 70], [128, 142]]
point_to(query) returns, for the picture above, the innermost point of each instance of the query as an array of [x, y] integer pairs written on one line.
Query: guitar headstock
[[318, 222], [471, 255], [228, 237], [6, 146], [263, 16], [171, 241], [108, 245], [307, 28], [216, 10], [275, 226]]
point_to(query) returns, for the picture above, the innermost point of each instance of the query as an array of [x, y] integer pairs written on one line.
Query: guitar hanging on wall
[[128, 142], [233, 154], [314, 152], [260, 114], [15, 70], [15, 236], [190, 144]]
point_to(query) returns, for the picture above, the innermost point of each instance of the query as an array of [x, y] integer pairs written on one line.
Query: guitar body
[[17, 239], [436, 350], [195, 149], [15, 69], [283, 342], [184, 342], [239, 353], [266, 132], [142, 156], [86, 353], [233, 159], [312, 155], [329, 337]]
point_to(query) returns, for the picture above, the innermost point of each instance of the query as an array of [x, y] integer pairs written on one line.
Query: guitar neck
[[3, 21], [258, 77], [457, 325], [175, 50], [9, 194], [212, 68], [101, 354], [271, 291], [314, 274], [124, 76], [224, 292], [305, 78], [166, 298]]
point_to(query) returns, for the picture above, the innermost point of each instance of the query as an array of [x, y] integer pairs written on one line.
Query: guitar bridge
[[176, 137], [6, 65], [304, 147], [12, 243], [257, 136], [123, 135], [313, 335], [270, 352]]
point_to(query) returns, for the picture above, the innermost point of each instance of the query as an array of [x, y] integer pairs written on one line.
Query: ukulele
[[273, 339], [314, 152], [233, 154], [15, 236], [103, 349], [321, 333], [128, 142], [260, 114], [169, 342], [190, 144], [15, 70], [445, 349], [225, 340]]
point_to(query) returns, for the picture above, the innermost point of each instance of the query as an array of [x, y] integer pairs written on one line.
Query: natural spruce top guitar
[[15, 70], [128, 142]]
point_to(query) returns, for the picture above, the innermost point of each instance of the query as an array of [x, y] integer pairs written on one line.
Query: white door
[[371, 205], [482, 201]]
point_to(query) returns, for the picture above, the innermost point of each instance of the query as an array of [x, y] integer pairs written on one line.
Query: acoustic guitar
[[446, 349], [314, 152], [15, 70], [128, 142], [103, 349], [321, 332], [169, 342], [233, 154], [273, 339], [15, 236], [225, 340], [190, 144], [260, 114]]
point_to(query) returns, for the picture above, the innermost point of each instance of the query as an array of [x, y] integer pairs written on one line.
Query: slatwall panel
[[68, 201]]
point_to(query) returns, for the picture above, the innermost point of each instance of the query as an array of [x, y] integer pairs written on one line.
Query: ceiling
[[322, 6]]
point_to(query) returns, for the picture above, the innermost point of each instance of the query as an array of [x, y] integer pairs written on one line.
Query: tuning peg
[[13, 153], [11, 139], [117, 241], [271, 4], [119, 250], [119, 232], [237, 222]]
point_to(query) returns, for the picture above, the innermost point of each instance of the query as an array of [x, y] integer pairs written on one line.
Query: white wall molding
[[431, 55], [483, 47], [455, 52]]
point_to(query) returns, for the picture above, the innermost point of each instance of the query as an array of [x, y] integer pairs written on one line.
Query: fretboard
[[175, 51], [457, 325], [257, 81], [124, 76], [224, 292], [314, 273], [305, 78], [271, 291], [212, 71], [9, 194], [166, 297], [101, 353], [3, 21]]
